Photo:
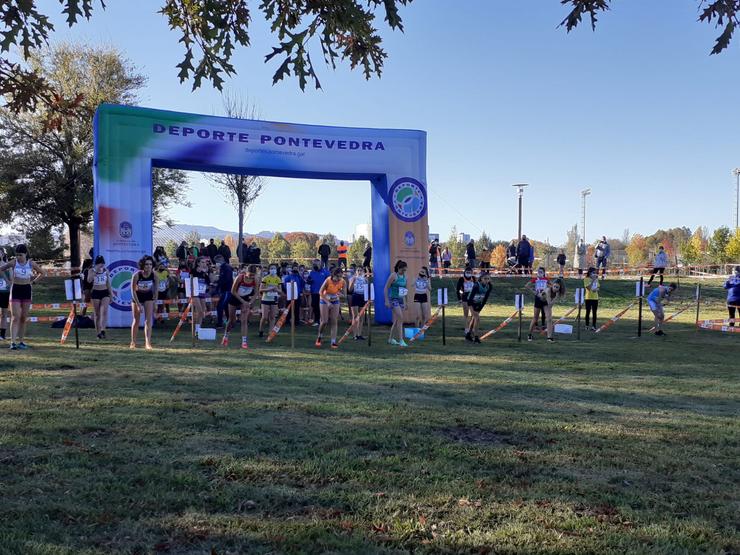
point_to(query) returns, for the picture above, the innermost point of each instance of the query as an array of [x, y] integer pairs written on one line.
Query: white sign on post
[[580, 294], [442, 297], [188, 287], [696, 293], [78, 289], [639, 289], [519, 301], [372, 293], [69, 289]]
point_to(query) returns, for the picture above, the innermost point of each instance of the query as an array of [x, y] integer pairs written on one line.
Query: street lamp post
[[584, 194], [520, 186], [736, 173]]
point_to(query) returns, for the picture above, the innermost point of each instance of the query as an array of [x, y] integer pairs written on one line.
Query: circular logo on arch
[[121, 273], [409, 239], [408, 199]]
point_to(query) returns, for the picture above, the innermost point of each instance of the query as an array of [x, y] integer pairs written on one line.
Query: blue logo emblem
[[407, 198], [409, 239], [121, 272], [125, 230]]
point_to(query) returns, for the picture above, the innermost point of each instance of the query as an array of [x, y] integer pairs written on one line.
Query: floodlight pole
[[520, 187], [584, 194], [736, 173]]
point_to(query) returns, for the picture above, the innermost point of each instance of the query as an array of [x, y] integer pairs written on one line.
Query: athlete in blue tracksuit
[[733, 294], [655, 302]]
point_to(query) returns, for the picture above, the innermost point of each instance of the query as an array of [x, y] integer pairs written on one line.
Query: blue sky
[[638, 111]]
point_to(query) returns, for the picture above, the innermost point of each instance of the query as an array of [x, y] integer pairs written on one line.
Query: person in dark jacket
[[324, 251], [225, 251], [225, 281], [733, 294], [367, 257], [523, 252], [212, 250], [256, 253], [470, 254], [561, 262], [316, 279], [182, 252]]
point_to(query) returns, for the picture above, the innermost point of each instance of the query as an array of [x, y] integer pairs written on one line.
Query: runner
[[538, 283], [733, 294], [395, 293], [199, 281], [357, 286], [422, 296], [656, 300], [659, 265], [163, 277], [464, 287], [591, 285], [100, 294], [478, 298], [329, 294], [270, 290], [4, 298], [24, 272], [548, 297], [144, 289], [242, 294]]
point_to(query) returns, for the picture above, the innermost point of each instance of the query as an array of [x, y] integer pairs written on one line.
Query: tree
[[41, 243], [210, 33], [718, 245], [457, 248], [242, 190], [170, 247], [279, 247], [732, 251], [301, 249], [637, 250], [498, 257], [46, 173], [484, 242], [689, 253], [191, 238], [357, 249]]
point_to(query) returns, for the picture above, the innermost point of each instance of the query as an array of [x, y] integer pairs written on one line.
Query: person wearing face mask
[[477, 299], [538, 283], [24, 272], [422, 295], [200, 279], [358, 284], [144, 290], [163, 277], [294, 276], [591, 285], [395, 293], [655, 300], [270, 291], [548, 297], [733, 294], [330, 293], [242, 293], [306, 309], [100, 294], [464, 287], [317, 276]]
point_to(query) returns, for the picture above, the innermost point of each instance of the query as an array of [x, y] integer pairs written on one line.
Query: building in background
[[463, 237], [433, 237]]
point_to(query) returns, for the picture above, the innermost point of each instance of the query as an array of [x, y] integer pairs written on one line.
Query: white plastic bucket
[[207, 334], [563, 328]]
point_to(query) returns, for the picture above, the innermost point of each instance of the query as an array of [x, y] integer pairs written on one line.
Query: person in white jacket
[[659, 265]]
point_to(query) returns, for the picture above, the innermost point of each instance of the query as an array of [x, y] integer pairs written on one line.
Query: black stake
[[639, 309]]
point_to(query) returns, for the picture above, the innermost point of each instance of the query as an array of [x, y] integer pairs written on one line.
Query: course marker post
[[292, 296], [580, 294], [519, 305], [369, 297], [640, 294], [698, 302], [189, 294], [442, 301]]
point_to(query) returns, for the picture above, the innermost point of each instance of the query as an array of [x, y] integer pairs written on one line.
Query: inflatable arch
[[130, 141]]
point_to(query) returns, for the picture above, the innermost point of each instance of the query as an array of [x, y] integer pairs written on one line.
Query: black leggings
[[656, 271], [731, 310], [592, 305], [315, 305]]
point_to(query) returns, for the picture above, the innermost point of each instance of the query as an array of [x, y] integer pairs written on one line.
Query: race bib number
[[101, 279], [202, 286], [144, 286], [245, 291], [3, 284], [467, 286], [402, 291], [359, 288], [162, 286]]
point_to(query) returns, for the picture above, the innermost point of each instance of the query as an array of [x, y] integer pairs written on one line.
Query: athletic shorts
[[397, 303], [421, 298], [464, 298], [99, 294], [332, 303], [539, 303], [601, 262], [357, 300], [655, 307], [145, 296], [237, 301], [21, 293], [477, 307], [4, 299], [268, 303]]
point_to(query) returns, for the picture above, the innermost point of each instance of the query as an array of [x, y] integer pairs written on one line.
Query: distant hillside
[[178, 232]]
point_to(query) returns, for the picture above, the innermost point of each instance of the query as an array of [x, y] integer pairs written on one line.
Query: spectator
[[446, 259], [194, 249], [367, 257], [531, 257], [733, 294], [225, 251], [342, 255], [602, 254], [523, 252], [434, 254], [561, 262], [212, 250], [225, 281], [661, 261], [316, 278], [256, 254], [470, 254], [324, 251], [182, 252], [579, 262]]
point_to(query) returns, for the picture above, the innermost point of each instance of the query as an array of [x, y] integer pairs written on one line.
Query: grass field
[[611, 444]]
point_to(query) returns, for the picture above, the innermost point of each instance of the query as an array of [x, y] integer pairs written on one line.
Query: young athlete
[[163, 277], [144, 288], [358, 284], [270, 291], [199, 282], [547, 298], [733, 294], [591, 284], [24, 272], [330, 292], [464, 287], [422, 297], [477, 299], [656, 299], [538, 283], [4, 298], [395, 293], [242, 294], [100, 294], [306, 309]]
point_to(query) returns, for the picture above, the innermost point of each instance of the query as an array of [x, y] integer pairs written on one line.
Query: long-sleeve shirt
[[661, 260], [317, 279], [733, 290], [225, 278]]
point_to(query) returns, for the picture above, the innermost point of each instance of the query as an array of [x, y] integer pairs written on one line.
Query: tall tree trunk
[[74, 243], [241, 231]]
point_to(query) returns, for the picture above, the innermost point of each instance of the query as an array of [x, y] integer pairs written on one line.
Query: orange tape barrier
[[614, 319], [429, 323], [354, 321], [498, 328], [720, 325], [67, 326], [183, 318], [672, 316], [280, 323]]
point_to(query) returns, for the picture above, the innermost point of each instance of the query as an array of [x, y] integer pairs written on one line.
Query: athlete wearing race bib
[[23, 272], [100, 294], [358, 285], [270, 290], [329, 293], [199, 280], [242, 293], [394, 294], [591, 285], [464, 287], [422, 293], [4, 299], [548, 297], [655, 302], [163, 275], [144, 287], [477, 299]]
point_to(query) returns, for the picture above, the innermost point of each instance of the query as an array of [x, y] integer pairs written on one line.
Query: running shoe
[[13, 347], [550, 340], [262, 334], [476, 339], [318, 343], [225, 341], [245, 345], [529, 337], [468, 337], [660, 332], [22, 345], [315, 325], [359, 338], [102, 333], [593, 328], [334, 345], [392, 342], [402, 343]]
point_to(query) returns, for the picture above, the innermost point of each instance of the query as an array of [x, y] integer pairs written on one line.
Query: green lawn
[[611, 444]]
